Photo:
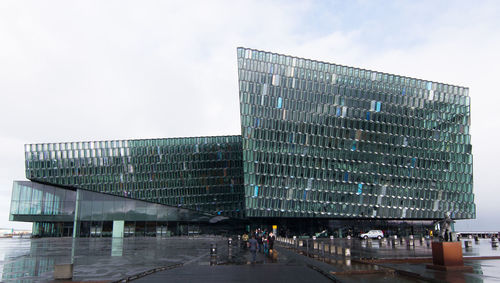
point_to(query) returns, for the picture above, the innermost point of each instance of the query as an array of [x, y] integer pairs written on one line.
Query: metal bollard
[[213, 249], [338, 250], [411, 241]]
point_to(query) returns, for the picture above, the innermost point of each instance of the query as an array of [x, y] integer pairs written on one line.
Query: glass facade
[[42, 202], [325, 140], [319, 141], [45, 201], [201, 173], [53, 211]]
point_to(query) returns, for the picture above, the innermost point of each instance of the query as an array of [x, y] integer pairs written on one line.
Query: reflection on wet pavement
[[33, 260], [95, 258]]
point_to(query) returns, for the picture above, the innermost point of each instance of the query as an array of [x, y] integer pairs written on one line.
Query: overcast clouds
[[97, 70]]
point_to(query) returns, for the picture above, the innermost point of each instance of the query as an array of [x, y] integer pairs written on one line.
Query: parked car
[[322, 234], [372, 234]]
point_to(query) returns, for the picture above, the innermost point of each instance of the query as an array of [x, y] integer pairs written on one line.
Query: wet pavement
[[32, 260], [189, 260]]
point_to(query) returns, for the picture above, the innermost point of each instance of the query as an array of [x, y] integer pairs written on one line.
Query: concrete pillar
[[118, 227], [76, 221]]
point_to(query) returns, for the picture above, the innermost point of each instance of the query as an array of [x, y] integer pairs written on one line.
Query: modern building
[[322, 146], [145, 183]]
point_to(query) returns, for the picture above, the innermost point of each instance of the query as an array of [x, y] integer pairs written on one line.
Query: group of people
[[261, 241]]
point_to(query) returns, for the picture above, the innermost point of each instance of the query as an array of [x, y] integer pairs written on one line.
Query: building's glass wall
[[30, 198], [43, 203], [200, 173], [101, 207], [325, 140]]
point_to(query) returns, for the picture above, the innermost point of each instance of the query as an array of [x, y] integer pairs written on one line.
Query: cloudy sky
[[97, 70]]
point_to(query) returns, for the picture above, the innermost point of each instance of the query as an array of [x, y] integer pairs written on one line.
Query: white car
[[372, 234]]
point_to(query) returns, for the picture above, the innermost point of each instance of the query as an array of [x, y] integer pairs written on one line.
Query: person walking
[[245, 240], [271, 239], [253, 248], [265, 243], [259, 240]]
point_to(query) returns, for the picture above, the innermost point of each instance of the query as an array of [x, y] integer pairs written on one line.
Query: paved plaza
[[189, 260]]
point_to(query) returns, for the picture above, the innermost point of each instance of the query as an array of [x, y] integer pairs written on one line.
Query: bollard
[[229, 241], [213, 249], [411, 241], [338, 250]]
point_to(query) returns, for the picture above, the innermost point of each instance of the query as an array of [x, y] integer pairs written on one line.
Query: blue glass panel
[[256, 191], [368, 115], [360, 189], [280, 101], [379, 105]]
